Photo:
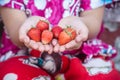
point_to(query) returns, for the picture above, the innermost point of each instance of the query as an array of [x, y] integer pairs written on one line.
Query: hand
[[81, 30], [28, 24]]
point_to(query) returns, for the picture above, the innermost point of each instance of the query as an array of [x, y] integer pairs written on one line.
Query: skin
[[9, 17], [87, 27]]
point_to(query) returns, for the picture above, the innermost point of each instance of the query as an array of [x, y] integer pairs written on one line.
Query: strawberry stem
[[69, 33], [69, 26], [32, 26]]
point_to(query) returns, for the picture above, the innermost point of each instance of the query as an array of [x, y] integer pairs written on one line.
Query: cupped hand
[[81, 30], [27, 25]]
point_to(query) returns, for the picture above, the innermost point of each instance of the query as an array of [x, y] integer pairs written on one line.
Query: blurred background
[[111, 31]]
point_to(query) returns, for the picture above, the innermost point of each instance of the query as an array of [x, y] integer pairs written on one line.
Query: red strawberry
[[42, 25], [46, 36], [56, 31], [66, 36], [34, 34]]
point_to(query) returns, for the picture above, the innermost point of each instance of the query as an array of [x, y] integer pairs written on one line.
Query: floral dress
[[54, 10]]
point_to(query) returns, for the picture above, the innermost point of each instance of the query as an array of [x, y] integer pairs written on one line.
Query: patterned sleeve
[[92, 4], [16, 4]]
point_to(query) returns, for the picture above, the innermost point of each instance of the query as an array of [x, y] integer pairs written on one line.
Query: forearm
[[93, 20], [12, 20]]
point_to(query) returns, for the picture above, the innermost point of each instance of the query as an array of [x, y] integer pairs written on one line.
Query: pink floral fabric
[[54, 10], [96, 47]]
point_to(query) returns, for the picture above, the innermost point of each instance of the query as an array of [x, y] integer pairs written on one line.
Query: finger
[[24, 39], [41, 47], [73, 45], [56, 48], [22, 34], [81, 38], [24, 29], [27, 45], [51, 49], [47, 47], [70, 44], [62, 48], [77, 46], [84, 34], [78, 38], [54, 42], [33, 44]]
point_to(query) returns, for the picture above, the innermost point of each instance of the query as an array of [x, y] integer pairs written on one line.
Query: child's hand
[[81, 30], [34, 44]]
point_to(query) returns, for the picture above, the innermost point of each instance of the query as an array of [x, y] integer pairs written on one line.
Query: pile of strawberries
[[42, 33]]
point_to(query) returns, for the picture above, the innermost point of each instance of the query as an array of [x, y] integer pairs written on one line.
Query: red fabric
[[35, 53], [77, 71], [23, 71], [65, 64]]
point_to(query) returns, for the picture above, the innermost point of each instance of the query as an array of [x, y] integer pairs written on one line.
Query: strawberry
[[46, 36], [42, 25], [34, 34], [66, 35], [56, 31]]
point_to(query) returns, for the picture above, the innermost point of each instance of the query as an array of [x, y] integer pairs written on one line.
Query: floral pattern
[[51, 8], [97, 47]]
